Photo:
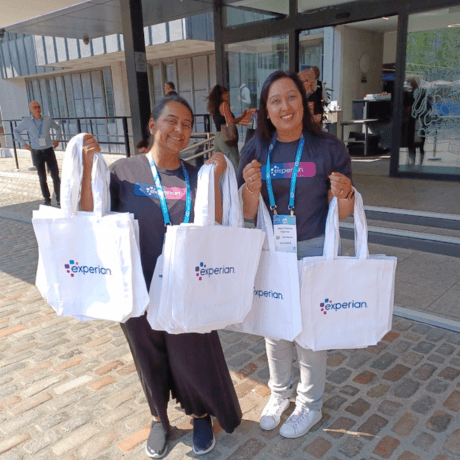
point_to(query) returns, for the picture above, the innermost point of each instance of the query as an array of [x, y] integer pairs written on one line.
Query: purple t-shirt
[[320, 157], [133, 190]]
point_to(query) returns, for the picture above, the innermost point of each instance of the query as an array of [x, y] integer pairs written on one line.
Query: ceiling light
[[453, 25], [386, 19]]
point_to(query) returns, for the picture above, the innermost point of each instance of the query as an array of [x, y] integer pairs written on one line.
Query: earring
[[151, 131], [268, 117]]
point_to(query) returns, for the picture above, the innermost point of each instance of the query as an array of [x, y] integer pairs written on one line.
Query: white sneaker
[[300, 422], [271, 415]]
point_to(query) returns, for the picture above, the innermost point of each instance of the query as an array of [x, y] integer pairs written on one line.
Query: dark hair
[[171, 85], [265, 128], [215, 98], [158, 109], [143, 144]]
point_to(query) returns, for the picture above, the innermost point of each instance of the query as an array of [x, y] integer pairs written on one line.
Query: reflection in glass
[[431, 109]]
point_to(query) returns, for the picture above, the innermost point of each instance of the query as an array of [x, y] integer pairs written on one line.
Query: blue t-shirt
[[321, 156]]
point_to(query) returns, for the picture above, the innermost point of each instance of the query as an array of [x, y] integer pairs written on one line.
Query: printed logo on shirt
[[202, 270], [270, 294], [171, 193], [73, 267], [284, 170], [328, 305]]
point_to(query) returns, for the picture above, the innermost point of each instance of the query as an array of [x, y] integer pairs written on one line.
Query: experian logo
[[328, 305], [72, 267], [201, 271], [271, 294]]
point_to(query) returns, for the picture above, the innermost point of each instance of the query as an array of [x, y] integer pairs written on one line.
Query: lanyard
[[295, 171], [161, 194], [38, 127]]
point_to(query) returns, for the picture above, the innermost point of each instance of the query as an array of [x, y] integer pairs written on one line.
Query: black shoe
[[47, 203], [157, 442], [203, 437], [58, 203]]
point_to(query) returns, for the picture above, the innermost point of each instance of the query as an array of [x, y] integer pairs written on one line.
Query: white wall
[[13, 102], [355, 42], [389, 47]]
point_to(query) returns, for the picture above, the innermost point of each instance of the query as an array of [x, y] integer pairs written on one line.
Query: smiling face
[[35, 109], [284, 105], [172, 130]]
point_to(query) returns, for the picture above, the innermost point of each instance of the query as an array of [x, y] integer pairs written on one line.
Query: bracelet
[[247, 188]]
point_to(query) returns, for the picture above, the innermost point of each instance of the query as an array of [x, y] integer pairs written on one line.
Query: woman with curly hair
[[219, 108]]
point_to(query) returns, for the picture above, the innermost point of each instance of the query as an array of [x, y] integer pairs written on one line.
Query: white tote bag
[[89, 265], [208, 269], [275, 311], [347, 302]]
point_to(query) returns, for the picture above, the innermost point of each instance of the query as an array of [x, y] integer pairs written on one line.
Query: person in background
[[143, 146], [38, 128], [286, 133], [245, 96], [170, 89], [320, 88], [307, 77], [219, 108], [189, 367]]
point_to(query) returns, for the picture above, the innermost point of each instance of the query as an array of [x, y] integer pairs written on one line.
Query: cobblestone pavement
[[70, 391]]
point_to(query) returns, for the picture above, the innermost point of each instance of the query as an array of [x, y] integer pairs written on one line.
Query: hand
[[340, 185], [253, 176], [90, 147], [28, 147], [245, 112], [55, 144], [218, 160]]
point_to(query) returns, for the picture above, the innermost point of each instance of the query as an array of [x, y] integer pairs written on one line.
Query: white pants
[[312, 364]]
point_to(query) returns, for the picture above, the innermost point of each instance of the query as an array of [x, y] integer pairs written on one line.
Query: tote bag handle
[[332, 234], [264, 222]]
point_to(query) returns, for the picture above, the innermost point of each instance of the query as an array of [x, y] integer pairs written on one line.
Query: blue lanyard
[[295, 171], [161, 194], [38, 127]]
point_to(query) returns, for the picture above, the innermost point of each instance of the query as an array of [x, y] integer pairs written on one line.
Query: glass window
[[250, 64], [53, 98], [109, 93], [305, 5], [157, 83], [45, 94], [430, 139], [258, 11]]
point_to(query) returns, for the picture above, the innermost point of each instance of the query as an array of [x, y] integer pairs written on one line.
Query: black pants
[[40, 159]]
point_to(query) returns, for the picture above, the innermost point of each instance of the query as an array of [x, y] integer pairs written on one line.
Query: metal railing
[[108, 131]]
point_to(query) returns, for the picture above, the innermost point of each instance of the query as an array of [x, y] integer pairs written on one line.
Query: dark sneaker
[[47, 203], [157, 442], [203, 437]]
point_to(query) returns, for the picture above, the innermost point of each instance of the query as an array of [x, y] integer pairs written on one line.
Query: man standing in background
[[38, 128], [170, 89]]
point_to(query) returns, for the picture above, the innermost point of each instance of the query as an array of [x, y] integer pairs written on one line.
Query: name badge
[[285, 231], [42, 142]]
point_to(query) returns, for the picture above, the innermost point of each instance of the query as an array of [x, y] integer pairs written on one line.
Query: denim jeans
[[312, 364]]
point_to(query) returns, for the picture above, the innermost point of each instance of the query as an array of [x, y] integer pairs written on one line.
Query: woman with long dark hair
[[190, 367], [219, 108], [306, 168]]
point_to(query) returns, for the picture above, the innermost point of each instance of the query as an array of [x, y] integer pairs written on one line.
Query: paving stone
[[322, 423], [449, 373], [423, 405], [452, 444], [30, 403], [387, 446], [342, 423], [334, 402], [439, 421], [445, 349], [412, 358], [378, 391], [377, 349], [53, 421], [239, 360], [406, 388], [424, 441], [259, 348], [339, 376], [396, 373], [420, 328], [391, 337], [98, 444], [13, 441], [453, 337], [350, 447], [411, 336], [236, 348], [455, 362], [336, 359], [406, 455], [424, 347], [263, 374], [248, 450], [357, 359], [385, 361], [425, 371], [46, 439], [285, 447], [133, 440], [437, 386], [329, 388], [389, 407], [349, 390], [453, 401], [76, 422], [436, 334], [401, 346], [402, 325], [372, 426], [405, 425], [364, 378], [358, 407], [318, 447]]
